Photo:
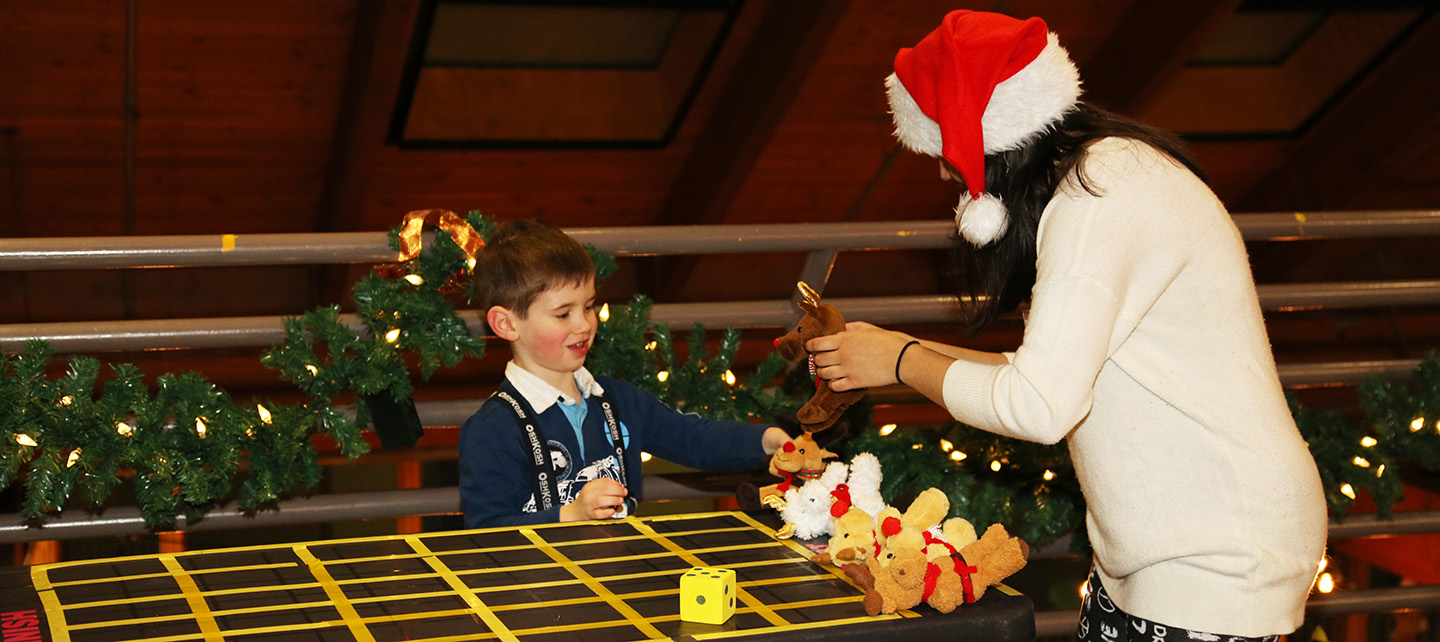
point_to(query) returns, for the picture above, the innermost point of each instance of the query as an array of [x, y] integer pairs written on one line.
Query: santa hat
[[982, 83]]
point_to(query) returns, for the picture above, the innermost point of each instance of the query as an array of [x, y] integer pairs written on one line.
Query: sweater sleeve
[[494, 473], [686, 438], [1102, 262]]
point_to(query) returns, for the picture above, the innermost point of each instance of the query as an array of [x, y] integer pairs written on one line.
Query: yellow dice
[[707, 595]]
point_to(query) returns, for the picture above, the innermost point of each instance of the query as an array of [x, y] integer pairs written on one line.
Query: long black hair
[[994, 280]]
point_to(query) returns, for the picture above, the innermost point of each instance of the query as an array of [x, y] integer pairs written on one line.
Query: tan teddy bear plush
[[946, 582]]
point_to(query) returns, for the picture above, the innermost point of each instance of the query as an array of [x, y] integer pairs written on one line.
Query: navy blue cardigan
[[496, 479]]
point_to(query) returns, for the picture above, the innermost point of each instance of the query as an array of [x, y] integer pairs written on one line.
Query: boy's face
[[557, 330]]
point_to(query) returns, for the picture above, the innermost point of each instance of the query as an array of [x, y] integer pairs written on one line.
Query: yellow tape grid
[[745, 596], [348, 616], [625, 611], [59, 630], [365, 600], [54, 613], [477, 606], [208, 628]]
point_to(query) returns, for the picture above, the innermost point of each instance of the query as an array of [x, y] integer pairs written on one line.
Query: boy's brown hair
[[522, 260]]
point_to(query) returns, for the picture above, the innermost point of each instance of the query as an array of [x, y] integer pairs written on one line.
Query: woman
[[1144, 345]]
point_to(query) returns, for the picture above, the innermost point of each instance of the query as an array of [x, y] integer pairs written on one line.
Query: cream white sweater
[[1145, 349]]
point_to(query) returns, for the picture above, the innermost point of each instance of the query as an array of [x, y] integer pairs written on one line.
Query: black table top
[[598, 581]]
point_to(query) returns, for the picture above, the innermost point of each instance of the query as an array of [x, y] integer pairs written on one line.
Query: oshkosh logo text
[[20, 626]]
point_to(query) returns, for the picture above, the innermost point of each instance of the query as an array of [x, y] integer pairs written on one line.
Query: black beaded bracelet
[[900, 357]]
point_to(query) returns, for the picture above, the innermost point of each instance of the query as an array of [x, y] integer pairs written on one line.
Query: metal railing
[[822, 242]]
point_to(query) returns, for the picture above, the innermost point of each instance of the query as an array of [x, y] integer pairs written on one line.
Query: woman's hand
[[599, 499], [862, 356]]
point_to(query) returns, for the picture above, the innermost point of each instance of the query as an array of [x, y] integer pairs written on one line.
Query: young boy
[[555, 443]]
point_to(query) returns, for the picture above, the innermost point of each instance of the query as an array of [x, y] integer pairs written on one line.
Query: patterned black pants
[[1102, 621]]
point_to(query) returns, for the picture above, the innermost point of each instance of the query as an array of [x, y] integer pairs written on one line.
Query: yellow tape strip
[[227, 242], [337, 597], [146, 576], [54, 612], [616, 603], [198, 607], [477, 606], [797, 547], [745, 596]]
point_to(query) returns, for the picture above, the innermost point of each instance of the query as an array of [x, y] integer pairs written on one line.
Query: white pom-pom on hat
[[979, 84], [982, 220]]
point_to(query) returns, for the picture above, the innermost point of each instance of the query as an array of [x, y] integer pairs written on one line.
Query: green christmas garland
[[188, 447]]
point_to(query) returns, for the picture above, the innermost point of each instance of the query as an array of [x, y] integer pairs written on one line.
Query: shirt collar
[[540, 394]]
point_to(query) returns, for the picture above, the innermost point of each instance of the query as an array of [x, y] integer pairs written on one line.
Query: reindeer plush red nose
[[789, 447], [777, 342]]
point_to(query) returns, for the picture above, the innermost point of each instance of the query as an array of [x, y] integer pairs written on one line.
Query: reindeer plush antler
[[821, 319]]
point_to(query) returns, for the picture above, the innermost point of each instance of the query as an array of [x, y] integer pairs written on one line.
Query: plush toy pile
[[921, 557], [810, 511]]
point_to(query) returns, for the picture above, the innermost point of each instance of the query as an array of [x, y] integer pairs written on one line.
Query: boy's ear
[[502, 323]]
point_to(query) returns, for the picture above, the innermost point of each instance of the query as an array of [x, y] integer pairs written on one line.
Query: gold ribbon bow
[[460, 231]]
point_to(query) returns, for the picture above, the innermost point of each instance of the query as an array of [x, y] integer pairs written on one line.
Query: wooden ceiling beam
[[372, 76], [1374, 148], [1147, 48], [789, 36]]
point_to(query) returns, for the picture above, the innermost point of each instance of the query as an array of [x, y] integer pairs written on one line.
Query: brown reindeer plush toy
[[821, 319]]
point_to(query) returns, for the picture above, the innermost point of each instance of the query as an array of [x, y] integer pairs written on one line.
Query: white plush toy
[[864, 484], [806, 510]]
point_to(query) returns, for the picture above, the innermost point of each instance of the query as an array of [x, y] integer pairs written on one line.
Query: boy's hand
[[774, 439], [599, 499]]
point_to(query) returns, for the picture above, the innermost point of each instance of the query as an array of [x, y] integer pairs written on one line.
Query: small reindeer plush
[[821, 319], [800, 460]]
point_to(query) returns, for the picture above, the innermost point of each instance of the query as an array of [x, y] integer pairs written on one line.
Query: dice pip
[[707, 595]]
